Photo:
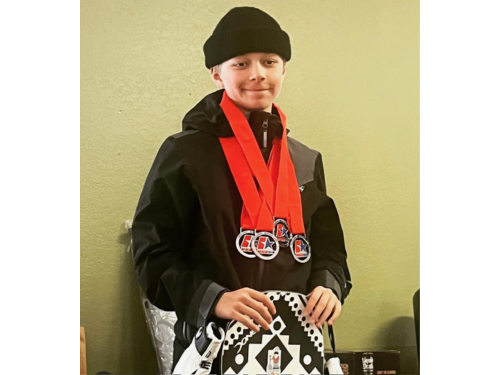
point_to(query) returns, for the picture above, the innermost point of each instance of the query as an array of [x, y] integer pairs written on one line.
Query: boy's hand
[[323, 303], [247, 306]]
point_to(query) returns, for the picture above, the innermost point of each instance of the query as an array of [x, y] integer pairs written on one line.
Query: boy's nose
[[257, 73]]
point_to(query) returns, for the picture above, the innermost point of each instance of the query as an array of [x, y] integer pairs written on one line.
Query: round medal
[[281, 232], [244, 243], [265, 245], [301, 250]]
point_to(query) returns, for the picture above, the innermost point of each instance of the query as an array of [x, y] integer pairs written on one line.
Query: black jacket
[[188, 218]]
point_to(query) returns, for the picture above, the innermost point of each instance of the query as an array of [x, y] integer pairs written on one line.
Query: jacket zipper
[[265, 125]]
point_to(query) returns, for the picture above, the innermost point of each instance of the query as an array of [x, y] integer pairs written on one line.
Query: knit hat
[[243, 30]]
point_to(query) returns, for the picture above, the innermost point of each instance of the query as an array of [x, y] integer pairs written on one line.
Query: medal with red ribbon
[[272, 208]]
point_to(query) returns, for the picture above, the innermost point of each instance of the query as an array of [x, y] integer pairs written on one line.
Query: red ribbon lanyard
[[293, 200], [248, 143], [296, 221], [244, 179], [278, 191], [288, 204], [255, 213]]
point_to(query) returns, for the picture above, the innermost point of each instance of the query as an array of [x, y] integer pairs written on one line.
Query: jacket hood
[[208, 116]]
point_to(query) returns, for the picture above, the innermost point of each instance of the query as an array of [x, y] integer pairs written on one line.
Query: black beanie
[[244, 30]]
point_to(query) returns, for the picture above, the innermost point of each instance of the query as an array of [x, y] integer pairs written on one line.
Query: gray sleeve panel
[[304, 160], [202, 302]]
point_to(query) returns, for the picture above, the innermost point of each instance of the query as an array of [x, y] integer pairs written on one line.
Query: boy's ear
[[216, 77]]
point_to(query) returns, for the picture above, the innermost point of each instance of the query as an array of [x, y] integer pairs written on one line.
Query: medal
[[300, 248], [281, 232], [265, 245], [244, 243]]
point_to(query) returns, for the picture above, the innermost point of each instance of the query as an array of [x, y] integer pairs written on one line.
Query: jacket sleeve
[[162, 233], [329, 256]]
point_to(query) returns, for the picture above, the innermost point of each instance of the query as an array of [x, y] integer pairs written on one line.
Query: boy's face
[[252, 81]]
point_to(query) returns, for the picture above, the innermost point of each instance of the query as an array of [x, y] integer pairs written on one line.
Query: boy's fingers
[[255, 316], [261, 310], [245, 320], [261, 297], [336, 312], [320, 306], [326, 312], [313, 298]]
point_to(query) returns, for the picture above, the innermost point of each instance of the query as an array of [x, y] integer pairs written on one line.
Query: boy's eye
[[241, 64], [270, 62]]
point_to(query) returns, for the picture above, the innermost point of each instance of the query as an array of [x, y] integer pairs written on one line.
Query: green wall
[[351, 92]]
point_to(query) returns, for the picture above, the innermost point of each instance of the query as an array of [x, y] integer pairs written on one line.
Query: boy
[[215, 225]]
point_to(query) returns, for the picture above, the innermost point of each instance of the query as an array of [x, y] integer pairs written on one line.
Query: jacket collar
[[208, 116]]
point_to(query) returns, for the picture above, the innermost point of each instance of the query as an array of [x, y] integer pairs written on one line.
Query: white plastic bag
[[332, 367]]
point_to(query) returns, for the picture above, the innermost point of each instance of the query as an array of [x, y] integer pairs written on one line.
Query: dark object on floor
[[416, 314], [368, 361]]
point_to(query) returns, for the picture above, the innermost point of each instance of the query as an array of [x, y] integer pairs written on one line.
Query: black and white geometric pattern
[[300, 343]]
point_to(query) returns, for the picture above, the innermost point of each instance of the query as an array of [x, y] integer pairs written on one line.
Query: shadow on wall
[[399, 334]]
